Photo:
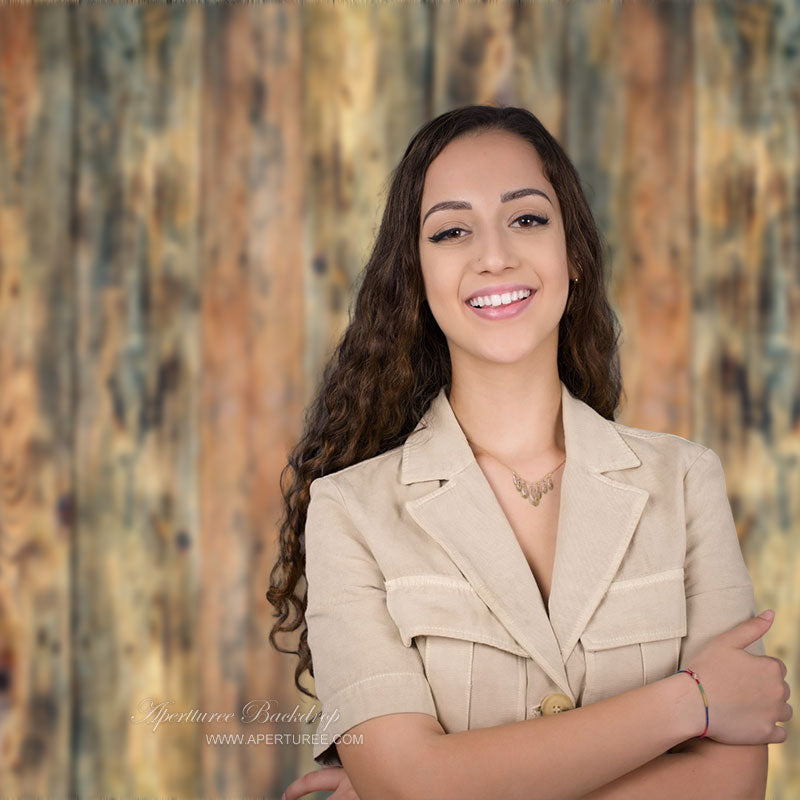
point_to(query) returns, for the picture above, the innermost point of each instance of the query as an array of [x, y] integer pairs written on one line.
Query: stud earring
[[574, 283]]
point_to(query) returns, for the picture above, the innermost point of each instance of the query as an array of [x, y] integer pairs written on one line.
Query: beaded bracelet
[[694, 675]]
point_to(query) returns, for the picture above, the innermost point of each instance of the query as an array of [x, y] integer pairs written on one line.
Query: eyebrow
[[459, 205]]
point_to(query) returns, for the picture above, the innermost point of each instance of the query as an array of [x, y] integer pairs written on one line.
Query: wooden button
[[556, 703]]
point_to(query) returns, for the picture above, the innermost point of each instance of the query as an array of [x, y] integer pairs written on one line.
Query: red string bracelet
[[694, 675]]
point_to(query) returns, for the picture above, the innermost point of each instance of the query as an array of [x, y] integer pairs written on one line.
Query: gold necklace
[[530, 491]]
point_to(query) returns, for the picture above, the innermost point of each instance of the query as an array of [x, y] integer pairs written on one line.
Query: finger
[[781, 665], [779, 735], [318, 780], [749, 631]]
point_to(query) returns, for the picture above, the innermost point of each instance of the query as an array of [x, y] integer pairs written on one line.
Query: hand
[[747, 694], [327, 779]]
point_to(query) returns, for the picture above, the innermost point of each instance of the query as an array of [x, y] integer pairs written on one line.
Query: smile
[[501, 306], [504, 299]]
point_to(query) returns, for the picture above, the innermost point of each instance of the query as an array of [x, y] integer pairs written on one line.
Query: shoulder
[[376, 474], [660, 449]]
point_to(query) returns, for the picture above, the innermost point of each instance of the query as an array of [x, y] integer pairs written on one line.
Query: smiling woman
[[502, 582], [478, 246]]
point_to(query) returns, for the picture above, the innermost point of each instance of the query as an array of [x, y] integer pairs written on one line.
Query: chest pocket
[[634, 636], [475, 668]]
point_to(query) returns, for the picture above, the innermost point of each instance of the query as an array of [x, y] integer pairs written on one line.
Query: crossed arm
[[698, 769]]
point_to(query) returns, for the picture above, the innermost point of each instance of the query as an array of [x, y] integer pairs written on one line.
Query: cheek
[[443, 312], [441, 289]]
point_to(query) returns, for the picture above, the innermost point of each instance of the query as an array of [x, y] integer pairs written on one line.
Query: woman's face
[[495, 242]]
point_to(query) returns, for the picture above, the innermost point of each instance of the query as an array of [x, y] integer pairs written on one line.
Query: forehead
[[483, 165]]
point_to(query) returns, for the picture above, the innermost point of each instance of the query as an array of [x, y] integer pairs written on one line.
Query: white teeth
[[499, 299]]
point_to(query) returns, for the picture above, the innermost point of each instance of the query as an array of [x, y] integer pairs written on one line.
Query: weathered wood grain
[[188, 194], [38, 486], [250, 336], [746, 297]]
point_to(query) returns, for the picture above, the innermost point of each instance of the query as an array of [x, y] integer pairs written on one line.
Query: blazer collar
[[597, 517]]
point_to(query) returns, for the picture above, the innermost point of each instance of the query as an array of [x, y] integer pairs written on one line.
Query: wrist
[[688, 719]]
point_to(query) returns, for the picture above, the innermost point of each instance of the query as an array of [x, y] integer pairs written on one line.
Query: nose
[[494, 251]]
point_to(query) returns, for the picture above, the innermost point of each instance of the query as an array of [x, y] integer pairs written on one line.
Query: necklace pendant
[[533, 491]]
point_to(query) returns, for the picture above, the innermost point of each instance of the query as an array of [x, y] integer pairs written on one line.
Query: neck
[[517, 422]]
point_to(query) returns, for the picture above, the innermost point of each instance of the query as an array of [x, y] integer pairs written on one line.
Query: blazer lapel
[[596, 521]]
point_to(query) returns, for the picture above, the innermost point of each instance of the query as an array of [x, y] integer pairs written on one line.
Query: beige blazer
[[420, 597]]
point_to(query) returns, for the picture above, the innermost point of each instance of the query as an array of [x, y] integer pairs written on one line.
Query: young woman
[[484, 547]]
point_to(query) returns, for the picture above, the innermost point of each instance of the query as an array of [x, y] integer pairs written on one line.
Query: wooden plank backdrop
[[187, 196]]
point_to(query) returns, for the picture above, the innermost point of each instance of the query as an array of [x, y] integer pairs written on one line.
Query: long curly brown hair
[[393, 358]]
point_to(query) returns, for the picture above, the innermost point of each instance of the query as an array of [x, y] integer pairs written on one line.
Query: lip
[[498, 289], [503, 312]]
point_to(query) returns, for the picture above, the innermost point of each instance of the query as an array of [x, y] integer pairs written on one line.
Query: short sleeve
[[719, 590], [362, 669]]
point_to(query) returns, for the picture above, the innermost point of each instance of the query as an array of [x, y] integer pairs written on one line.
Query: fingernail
[[768, 614]]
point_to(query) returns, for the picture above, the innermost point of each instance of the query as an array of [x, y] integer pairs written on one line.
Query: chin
[[504, 348], [506, 355]]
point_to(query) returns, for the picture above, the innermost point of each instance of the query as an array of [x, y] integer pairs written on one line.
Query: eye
[[541, 219], [444, 235]]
